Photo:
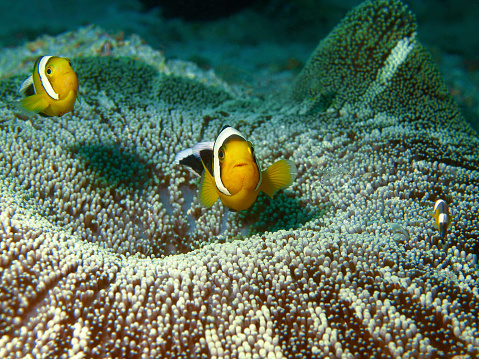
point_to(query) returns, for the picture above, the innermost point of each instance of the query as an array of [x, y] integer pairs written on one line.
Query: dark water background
[[237, 37]]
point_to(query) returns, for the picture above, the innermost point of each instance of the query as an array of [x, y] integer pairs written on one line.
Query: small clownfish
[[52, 89], [441, 217], [229, 171]]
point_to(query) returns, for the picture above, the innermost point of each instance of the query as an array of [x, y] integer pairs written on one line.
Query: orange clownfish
[[52, 89], [441, 217], [229, 171]]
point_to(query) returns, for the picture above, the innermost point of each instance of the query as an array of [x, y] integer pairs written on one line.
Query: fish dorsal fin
[[43, 78], [208, 191], [190, 161], [191, 157], [183, 154], [206, 157], [202, 146], [26, 84], [279, 175]]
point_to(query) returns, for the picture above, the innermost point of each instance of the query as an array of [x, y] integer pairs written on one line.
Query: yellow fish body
[[441, 217], [229, 171], [53, 87]]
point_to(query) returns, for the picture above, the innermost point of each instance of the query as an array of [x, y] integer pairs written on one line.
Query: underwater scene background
[[105, 249]]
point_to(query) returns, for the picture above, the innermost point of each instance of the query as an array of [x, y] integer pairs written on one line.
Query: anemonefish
[[52, 88], [229, 171], [441, 217]]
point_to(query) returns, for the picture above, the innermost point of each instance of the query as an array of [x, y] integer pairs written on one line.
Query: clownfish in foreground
[[52, 89], [229, 171], [441, 217]]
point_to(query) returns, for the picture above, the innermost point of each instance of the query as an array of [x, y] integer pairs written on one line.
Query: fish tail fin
[[35, 103], [208, 192], [279, 175]]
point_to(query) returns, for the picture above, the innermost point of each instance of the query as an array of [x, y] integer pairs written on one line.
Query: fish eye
[[221, 154], [49, 71]]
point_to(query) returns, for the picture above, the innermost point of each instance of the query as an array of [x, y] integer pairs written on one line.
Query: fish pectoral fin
[[25, 85], [208, 192], [35, 103], [279, 175], [72, 95]]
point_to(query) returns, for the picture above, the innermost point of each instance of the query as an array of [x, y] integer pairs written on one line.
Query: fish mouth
[[239, 165]]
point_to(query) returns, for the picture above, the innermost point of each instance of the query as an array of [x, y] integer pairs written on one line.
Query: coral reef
[[106, 253]]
